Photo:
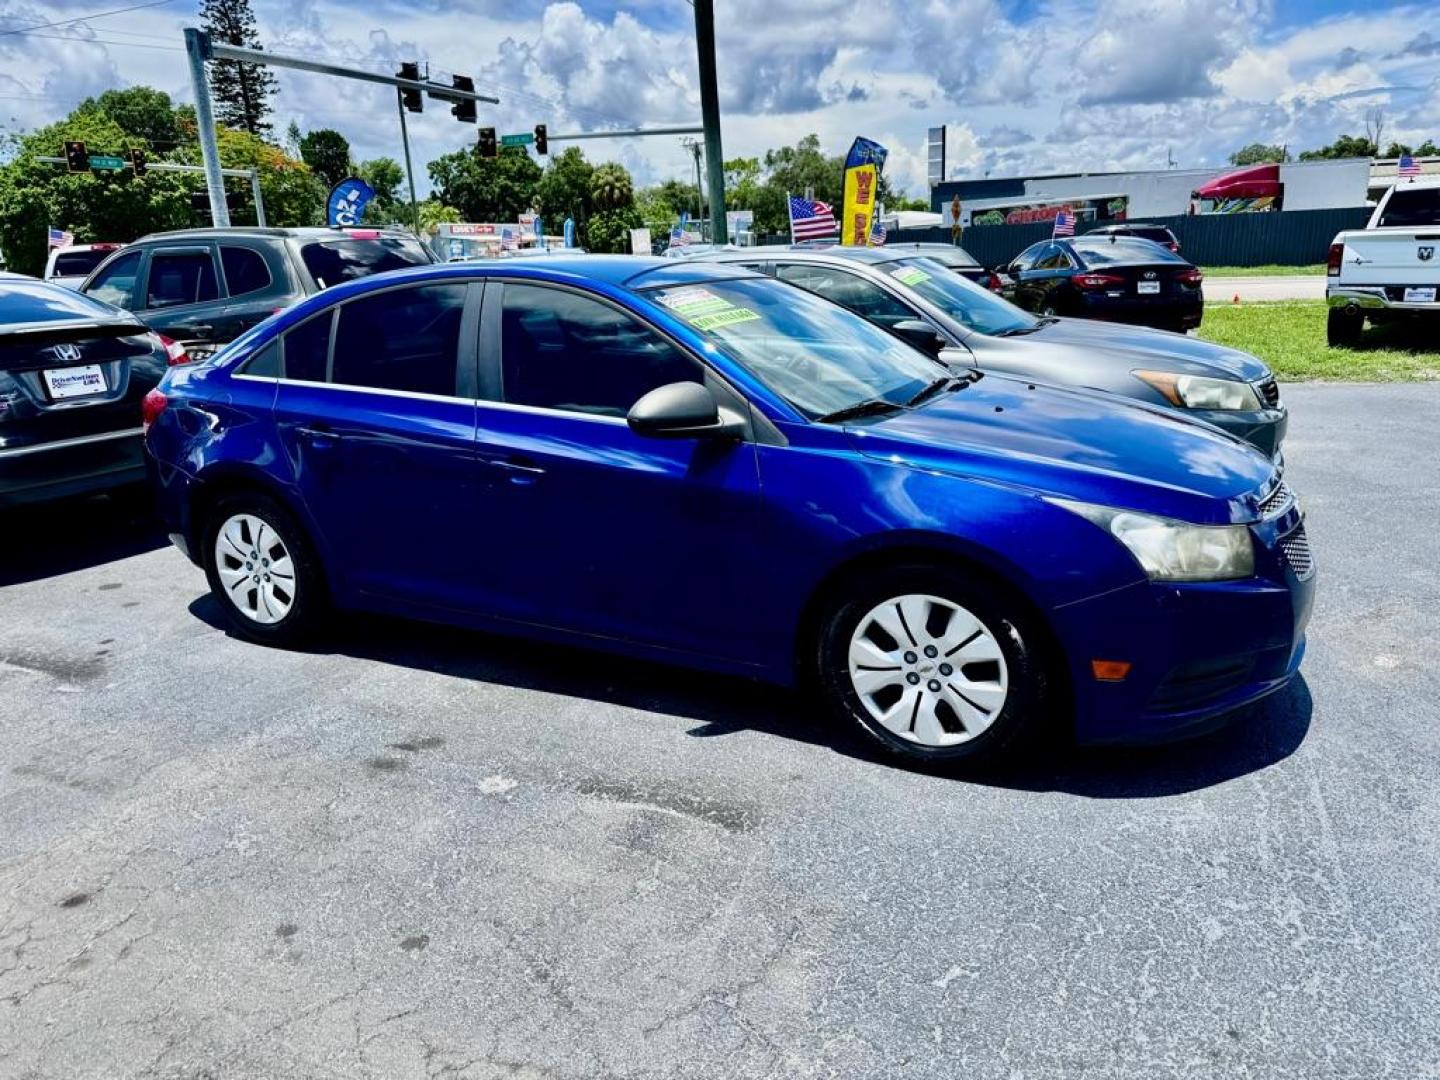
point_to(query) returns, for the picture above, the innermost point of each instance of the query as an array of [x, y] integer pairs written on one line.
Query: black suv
[[206, 287]]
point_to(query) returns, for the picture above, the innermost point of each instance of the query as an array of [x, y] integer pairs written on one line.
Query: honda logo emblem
[[1149, 275], [67, 352], [1426, 253]]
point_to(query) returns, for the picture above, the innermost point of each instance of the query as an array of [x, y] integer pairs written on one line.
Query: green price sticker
[[910, 275]]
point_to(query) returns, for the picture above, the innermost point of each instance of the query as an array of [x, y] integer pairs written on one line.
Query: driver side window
[[865, 298]]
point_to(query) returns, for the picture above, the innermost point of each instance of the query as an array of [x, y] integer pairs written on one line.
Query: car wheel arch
[[226, 481], [929, 552]]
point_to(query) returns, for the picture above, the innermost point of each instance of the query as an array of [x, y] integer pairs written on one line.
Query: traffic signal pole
[[710, 117], [197, 50], [409, 168]]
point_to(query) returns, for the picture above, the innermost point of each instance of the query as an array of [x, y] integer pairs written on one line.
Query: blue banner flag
[[347, 202], [569, 232]]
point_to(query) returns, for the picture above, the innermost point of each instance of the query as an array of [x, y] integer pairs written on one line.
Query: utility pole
[[710, 116], [409, 168], [694, 148]]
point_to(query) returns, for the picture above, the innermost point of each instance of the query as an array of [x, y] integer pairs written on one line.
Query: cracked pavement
[[418, 852]]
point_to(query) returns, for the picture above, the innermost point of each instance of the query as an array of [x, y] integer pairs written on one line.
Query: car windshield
[[79, 263], [963, 300], [333, 261], [1411, 208], [815, 354], [1123, 251]]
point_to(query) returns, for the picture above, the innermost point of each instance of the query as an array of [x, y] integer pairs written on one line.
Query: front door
[[376, 411], [592, 527]]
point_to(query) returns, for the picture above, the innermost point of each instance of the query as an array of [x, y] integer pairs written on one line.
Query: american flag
[[1408, 166], [811, 220], [59, 238], [877, 233], [1064, 224]]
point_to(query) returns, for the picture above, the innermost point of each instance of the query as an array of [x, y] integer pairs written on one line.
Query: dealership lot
[[423, 850]]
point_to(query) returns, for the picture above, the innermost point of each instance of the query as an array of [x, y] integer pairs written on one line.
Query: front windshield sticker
[[910, 275], [704, 310]]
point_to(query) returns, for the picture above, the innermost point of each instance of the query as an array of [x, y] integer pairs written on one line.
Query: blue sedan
[[702, 465]]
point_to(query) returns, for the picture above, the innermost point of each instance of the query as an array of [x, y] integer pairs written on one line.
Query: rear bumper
[[1183, 312], [52, 470], [174, 491], [1198, 651], [1374, 298]]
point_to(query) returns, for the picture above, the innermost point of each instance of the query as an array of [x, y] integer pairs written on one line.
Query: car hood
[[1159, 349], [1076, 444]]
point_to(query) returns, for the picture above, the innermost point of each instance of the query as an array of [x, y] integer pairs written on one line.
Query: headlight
[[1171, 550], [1198, 392]]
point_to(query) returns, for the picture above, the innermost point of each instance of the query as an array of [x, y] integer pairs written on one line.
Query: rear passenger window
[[265, 364], [563, 351], [307, 347], [401, 339], [245, 270], [848, 290], [180, 277]]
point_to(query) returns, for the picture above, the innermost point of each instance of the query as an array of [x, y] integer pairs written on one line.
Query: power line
[[85, 18], [104, 41]]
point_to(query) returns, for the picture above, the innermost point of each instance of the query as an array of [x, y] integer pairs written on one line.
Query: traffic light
[[541, 135], [137, 160], [464, 109], [410, 96], [76, 158], [487, 143]]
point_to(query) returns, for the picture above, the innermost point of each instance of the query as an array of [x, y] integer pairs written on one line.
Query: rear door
[[255, 285], [181, 291], [859, 294], [376, 411]]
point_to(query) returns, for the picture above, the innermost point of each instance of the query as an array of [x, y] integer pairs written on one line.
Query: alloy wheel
[[255, 568], [928, 670]]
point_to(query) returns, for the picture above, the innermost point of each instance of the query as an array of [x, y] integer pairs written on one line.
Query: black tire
[[1343, 328], [1029, 696], [309, 604]]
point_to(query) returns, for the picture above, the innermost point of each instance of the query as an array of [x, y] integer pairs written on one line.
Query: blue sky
[[1033, 86]]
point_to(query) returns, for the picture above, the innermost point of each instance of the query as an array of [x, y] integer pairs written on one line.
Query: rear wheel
[[933, 665], [1343, 327], [262, 570]]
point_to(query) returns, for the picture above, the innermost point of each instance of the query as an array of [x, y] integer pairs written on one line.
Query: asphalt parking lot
[[419, 852]]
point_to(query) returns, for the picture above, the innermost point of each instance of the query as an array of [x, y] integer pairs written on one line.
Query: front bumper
[[1370, 298], [1263, 429], [1197, 651]]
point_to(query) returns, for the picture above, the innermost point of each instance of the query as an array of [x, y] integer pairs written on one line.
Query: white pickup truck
[[1391, 268]]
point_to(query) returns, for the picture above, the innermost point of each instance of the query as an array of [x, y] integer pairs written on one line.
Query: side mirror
[[683, 410], [920, 334]]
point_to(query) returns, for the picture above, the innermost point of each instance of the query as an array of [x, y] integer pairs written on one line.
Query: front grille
[[1296, 547], [1269, 392], [1277, 501]]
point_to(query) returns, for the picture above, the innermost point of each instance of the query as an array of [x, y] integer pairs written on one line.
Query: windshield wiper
[[1020, 331], [868, 407], [949, 382]]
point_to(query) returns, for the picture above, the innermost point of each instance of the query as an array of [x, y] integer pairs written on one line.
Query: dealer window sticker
[[704, 310], [910, 275]]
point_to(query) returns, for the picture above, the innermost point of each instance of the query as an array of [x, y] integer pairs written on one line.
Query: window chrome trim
[[65, 444], [540, 410], [412, 394]]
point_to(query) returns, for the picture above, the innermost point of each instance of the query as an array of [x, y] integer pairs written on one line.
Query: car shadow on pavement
[[723, 705], [45, 540]]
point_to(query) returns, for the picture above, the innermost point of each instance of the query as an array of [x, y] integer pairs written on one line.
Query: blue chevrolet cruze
[[698, 464]]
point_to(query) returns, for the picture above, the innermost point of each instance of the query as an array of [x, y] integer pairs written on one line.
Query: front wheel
[[933, 665], [1343, 327], [262, 570]]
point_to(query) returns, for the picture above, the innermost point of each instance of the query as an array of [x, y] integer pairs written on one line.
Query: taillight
[[1190, 277], [1097, 281], [1332, 262], [993, 283], [1174, 247], [151, 407], [174, 352]]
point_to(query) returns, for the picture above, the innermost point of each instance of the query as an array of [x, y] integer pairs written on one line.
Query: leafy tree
[[486, 189], [143, 113], [564, 189], [609, 230], [1346, 146], [327, 152], [433, 212], [1259, 154], [611, 187], [680, 195], [241, 91], [743, 181], [293, 194], [1427, 149], [384, 175]]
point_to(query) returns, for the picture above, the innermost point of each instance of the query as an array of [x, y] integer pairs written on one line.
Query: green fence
[[1286, 238]]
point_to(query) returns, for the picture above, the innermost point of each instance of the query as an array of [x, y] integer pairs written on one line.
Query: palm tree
[[611, 187]]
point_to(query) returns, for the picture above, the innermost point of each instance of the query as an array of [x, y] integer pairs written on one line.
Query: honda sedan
[[698, 464]]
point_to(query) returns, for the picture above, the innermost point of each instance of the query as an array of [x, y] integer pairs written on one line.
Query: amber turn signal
[[1110, 670]]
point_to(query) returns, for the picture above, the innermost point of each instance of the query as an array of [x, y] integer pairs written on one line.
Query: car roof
[[1126, 226], [809, 251], [304, 232]]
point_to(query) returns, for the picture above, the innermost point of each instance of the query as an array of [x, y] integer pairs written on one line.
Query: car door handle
[[520, 467]]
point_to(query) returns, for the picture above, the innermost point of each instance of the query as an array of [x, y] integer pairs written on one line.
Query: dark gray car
[[967, 326], [206, 287]]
